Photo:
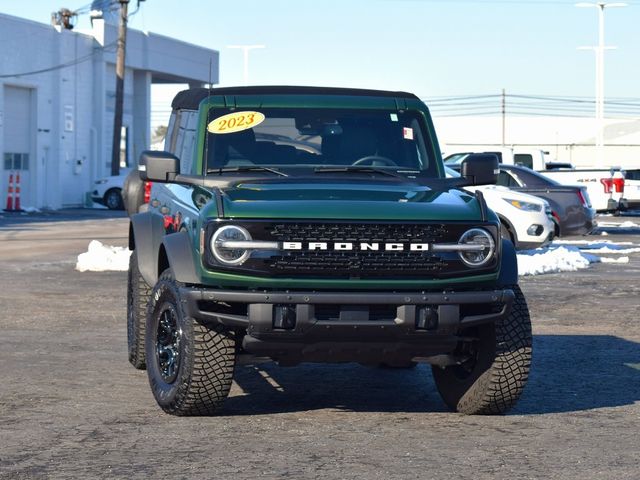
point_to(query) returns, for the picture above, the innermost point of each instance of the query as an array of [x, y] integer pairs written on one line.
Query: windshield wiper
[[246, 168], [357, 169]]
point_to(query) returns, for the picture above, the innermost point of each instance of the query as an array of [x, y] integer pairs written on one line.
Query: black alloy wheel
[[168, 337]]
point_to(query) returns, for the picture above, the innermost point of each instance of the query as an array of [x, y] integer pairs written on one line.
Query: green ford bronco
[[304, 224]]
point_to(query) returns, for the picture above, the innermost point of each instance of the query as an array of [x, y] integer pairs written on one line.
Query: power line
[[523, 104], [71, 63]]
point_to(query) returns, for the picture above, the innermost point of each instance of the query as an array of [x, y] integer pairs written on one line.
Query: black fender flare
[[146, 233], [508, 265], [179, 251]]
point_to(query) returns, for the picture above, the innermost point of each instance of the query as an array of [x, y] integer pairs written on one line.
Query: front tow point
[[284, 317], [427, 318]]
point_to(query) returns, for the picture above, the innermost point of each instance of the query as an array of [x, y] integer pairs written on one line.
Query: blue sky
[[429, 47]]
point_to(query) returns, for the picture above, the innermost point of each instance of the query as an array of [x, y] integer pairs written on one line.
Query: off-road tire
[[138, 294], [494, 381], [206, 356]]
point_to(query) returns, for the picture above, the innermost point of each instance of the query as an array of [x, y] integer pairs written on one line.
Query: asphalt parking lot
[[72, 407]]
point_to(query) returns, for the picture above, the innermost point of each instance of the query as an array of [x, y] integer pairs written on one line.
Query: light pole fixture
[[245, 50], [599, 51]]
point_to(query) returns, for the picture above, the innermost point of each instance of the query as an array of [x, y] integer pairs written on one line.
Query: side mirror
[[480, 169], [158, 166]]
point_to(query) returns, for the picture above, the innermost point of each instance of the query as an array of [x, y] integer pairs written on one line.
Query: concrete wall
[[73, 107]]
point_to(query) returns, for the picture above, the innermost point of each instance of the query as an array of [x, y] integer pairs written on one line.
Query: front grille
[[355, 263], [354, 232]]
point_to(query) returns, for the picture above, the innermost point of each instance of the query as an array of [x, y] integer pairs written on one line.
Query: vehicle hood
[[363, 201]]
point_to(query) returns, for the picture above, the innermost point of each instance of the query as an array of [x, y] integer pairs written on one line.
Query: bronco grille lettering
[[363, 246]]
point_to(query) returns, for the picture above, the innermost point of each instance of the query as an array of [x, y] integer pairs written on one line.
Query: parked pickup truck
[[308, 224], [632, 188], [604, 185]]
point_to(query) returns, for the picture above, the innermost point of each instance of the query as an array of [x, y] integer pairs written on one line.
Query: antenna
[[206, 128]]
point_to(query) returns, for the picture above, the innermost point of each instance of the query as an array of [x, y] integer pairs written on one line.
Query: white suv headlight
[[525, 206]]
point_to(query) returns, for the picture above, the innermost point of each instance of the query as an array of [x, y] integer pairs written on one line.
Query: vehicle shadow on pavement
[[581, 372], [268, 389], [569, 373]]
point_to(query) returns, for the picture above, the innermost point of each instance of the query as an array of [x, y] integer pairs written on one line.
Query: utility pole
[[117, 120], [504, 116]]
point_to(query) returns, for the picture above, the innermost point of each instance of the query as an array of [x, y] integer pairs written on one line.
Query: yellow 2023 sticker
[[235, 122]]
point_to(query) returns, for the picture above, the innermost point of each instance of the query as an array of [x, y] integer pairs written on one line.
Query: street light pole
[[245, 50], [599, 50]]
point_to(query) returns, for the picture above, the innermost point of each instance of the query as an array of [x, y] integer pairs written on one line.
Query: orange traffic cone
[[16, 201], [10, 193]]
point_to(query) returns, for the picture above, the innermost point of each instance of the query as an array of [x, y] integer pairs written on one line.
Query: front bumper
[[97, 198], [353, 326], [520, 245]]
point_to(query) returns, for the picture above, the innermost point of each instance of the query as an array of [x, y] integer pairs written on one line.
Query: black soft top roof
[[190, 99]]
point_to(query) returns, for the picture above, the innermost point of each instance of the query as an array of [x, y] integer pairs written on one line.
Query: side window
[[170, 136], [181, 137], [186, 156], [506, 180], [503, 179], [188, 126], [177, 147], [524, 159]]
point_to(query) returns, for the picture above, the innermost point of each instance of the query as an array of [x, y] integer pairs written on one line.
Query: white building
[[57, 98], [567, 139]]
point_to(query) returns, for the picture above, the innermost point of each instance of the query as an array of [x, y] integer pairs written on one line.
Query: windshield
[[316, 139]]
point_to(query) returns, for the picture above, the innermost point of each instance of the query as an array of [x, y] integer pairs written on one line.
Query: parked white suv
[[108, 191], [526, 220]]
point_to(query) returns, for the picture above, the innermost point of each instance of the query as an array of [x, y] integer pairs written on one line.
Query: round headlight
[[481, 247], [230, 256]]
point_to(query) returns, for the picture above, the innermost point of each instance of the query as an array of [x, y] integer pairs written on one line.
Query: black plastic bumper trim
[[406, 303]]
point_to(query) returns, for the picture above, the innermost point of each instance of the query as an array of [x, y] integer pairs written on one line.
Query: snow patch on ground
[[551, 260], [591, 244], [103, 258], [31, 210], [602, 246], [626, 224], [611, 249], [614, 260], [572, 255]]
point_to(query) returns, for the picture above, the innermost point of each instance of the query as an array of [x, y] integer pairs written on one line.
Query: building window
[[16, 161]]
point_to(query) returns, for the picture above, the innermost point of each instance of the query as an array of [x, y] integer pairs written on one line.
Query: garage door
[[18, 139]]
